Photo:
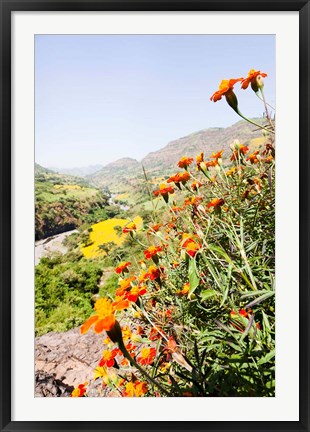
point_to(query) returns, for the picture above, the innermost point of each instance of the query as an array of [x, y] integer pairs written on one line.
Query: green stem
[[251, 121]]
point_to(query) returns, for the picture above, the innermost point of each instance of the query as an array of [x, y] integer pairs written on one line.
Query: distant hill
[[79, 172], [64, 202], [116, 175], [119, 176], [40, 170]]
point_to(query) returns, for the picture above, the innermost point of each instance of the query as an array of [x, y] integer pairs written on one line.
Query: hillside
[[122, 175], [78, 171], [64, 202]]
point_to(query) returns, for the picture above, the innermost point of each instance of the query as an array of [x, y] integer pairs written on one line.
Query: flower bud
[[115, 334], [258, 83], [232, 100]]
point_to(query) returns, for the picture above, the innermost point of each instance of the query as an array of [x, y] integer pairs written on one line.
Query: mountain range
[[163, 161]]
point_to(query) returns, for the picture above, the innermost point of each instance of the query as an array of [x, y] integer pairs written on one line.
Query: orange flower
[[242, 312], [135, 292], [253, 157], [179, 178], [153, 273], [225, 87], [79, 391], [155, 334], [108, 357], [189, 243], [194, 201], [122, 267], [104, 318], [131, 227], [216, 203], [252, 78], [147, 356], [140, 388], [211, 164], [217, 155], [231, 171], [135, 389], [129, 390], [196, 185], [200, 163], [268, 159], [125, 284], [126, 332], [185, 289], [164, 191], [185, 162], [241, 149], [152, 251], [155, 228]]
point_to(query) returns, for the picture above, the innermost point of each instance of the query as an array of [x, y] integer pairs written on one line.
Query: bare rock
[[70, 359]]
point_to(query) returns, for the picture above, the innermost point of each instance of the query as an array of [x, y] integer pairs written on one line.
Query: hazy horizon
[[93, 164], [99, 98]]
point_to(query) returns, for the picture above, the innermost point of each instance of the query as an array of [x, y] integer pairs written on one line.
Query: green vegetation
[[63, 203], [64, 289]]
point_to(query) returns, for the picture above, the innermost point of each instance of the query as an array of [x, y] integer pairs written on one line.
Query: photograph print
[[155, 216]]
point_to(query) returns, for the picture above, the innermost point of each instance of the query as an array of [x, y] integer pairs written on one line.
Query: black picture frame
[[6, 8]]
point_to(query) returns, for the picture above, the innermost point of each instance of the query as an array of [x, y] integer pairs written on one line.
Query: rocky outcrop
[[65, 360], [47, 386]]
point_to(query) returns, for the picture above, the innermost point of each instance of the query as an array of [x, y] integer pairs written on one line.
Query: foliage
[[199, 315], [63, 291]]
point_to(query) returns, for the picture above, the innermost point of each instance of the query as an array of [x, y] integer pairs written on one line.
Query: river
[[50, 245]]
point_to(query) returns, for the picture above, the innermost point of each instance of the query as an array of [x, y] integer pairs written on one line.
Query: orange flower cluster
[[128, 291], [253, 157], [135, 389], [240, 150], [179, 178], [226, 86], [79, 391]]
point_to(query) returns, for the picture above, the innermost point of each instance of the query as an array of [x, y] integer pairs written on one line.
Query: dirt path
[[51, 245]]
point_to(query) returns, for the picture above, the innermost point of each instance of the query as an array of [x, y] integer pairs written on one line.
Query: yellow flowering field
[[67, 187], [104, 232], [122, 196]]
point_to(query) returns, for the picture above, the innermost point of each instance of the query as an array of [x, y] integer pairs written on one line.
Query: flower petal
[[86, 326]]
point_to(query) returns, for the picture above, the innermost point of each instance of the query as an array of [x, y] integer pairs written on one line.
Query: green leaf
[[207, 293], [259, 299], [267, 357], [193, 276]]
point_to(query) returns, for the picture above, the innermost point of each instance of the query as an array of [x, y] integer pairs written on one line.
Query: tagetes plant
[[104, 318], [195, 314], [164, 191], [123, 267], [185, 162], [130, 228]]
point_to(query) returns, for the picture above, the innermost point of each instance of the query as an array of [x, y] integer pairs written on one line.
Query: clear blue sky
[[102, 97]]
